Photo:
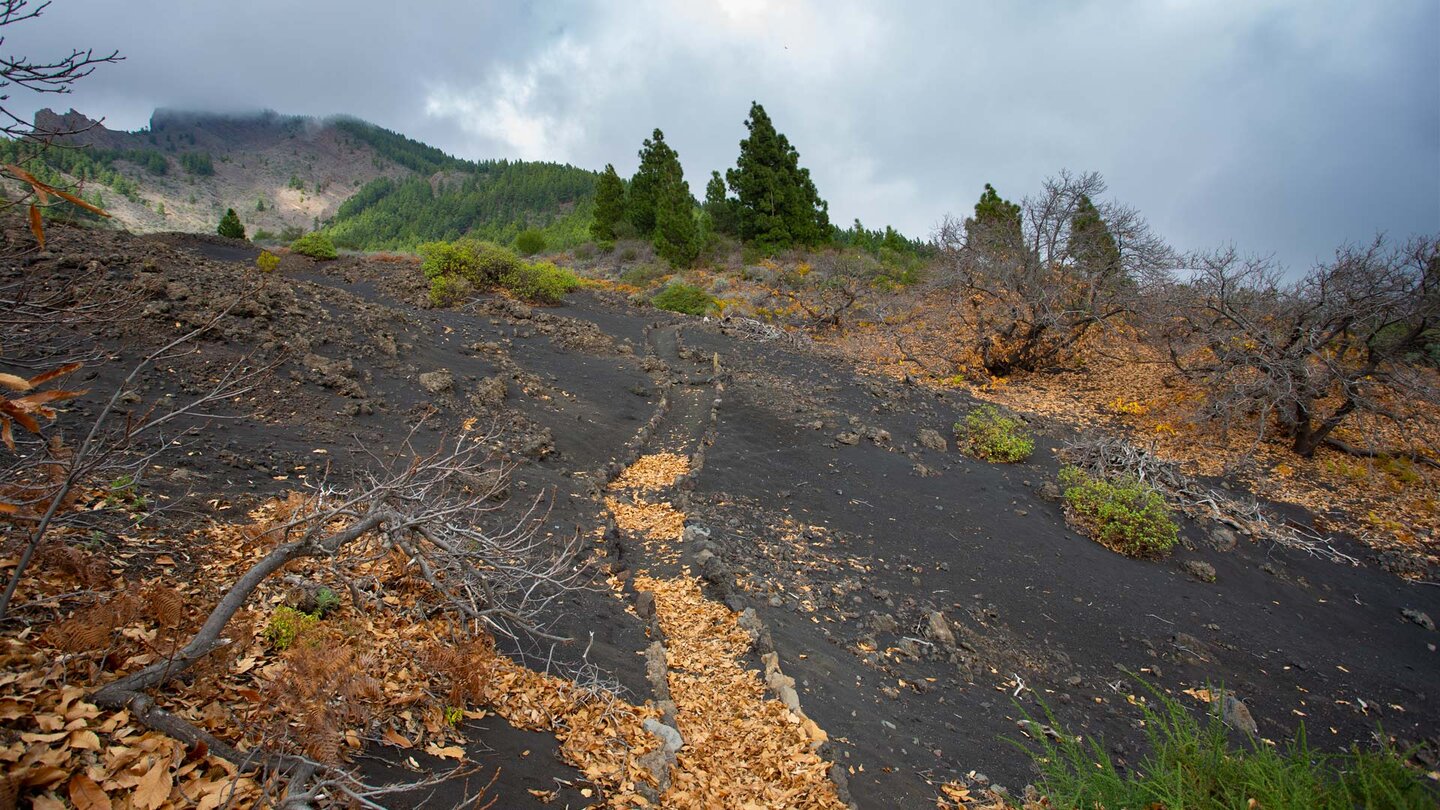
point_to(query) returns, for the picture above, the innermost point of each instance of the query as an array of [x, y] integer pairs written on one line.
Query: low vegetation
[[684, 298], [1192, 764], [1122, 514], [316, 245], [459, 269], [987, 433]]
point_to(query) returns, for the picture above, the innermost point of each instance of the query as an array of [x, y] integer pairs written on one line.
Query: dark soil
[[1037, 612]]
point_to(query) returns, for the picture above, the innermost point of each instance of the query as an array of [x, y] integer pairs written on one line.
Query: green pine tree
[[609, 205], [230, 225], [656, 160], [996, 224], [1092, 246], [720, 207], [677, 237], [778, 203]]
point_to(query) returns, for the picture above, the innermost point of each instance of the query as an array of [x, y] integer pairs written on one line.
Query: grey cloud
[[1286, 126]]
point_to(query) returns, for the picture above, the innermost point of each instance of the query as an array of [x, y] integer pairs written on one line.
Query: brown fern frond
[[164, 605]]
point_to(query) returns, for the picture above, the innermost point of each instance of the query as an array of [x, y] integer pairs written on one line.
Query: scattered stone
[[883, 623], [848, 438], [938, 629], [1050, 491], [1237, 715], [437, 382], [670, 738], [1199, 569], [1223, 538], [490, 392], [932, 440], [1422, 619]]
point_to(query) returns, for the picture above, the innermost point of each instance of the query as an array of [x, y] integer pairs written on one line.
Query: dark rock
[[437, 382], [932, 440], [1199, 569], [1422, 619]]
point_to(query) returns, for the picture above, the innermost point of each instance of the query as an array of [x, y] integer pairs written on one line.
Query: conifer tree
[[677, 237], [609, 205], [720, 207], [778, 203], [1092, 246], [656, 160], [996, 224], [230, 225]]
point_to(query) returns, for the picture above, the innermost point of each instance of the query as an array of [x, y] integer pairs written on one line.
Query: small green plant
[[529, 242], [124, 493], [1193, 765], [683, 298], [540, 282], [286, 625], [986, 433], [267, 261], [327, 601], [316, 245], [1123, 514], [454, 715]]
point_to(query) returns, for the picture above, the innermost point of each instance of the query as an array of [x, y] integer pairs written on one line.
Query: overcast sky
[[1284, 126]]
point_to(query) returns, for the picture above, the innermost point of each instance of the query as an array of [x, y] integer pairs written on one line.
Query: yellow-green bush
[[1122, 514], [286, 625], [986, 433], [540, 282]]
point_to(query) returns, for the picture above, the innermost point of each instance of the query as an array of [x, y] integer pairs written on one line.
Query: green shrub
[[1193, 765], [540, 282], [447, 291], [643, 275], [1124, 514], [529, 242], [986, 433], [316, 245], [483, 264], [683, 298], [585, 251], [286, 625]]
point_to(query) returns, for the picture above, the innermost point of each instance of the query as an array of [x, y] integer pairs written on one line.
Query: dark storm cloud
[[1284, 126]]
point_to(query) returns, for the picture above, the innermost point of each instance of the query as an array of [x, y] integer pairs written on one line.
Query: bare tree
[[1349, 337], [830, 287], [433, 509], [1030, 281], [57, 75]]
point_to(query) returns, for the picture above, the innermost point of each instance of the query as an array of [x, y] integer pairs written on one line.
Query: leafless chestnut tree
[[1032, 280], [1352, 336]]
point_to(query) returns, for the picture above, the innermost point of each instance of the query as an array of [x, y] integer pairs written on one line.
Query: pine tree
[[656, 160], [720, 207], [609, 205], [1092, 246], [230, 225], [778, 203], [996, 224], [677, 237]]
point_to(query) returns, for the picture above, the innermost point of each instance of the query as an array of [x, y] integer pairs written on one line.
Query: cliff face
[[75, 128]]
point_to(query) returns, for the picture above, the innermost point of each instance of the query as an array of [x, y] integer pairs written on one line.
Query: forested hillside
[[492, 200]]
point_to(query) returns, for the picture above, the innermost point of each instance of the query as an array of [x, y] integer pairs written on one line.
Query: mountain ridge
[[285, 174]]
